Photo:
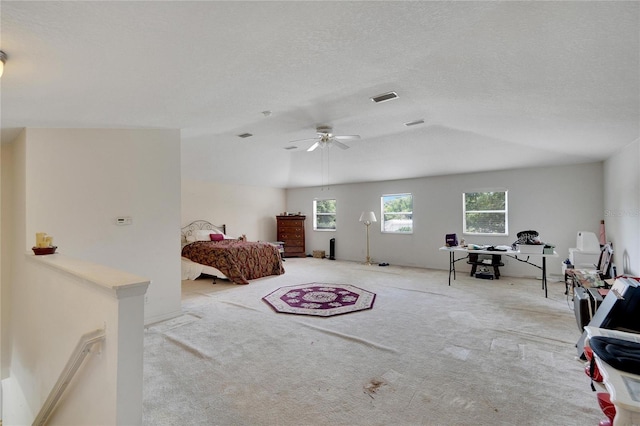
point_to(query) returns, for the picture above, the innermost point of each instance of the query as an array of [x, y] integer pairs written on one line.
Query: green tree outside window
[[397, 213], [324, 215], [485, 213]]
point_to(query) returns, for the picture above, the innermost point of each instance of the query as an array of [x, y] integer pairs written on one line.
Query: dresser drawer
[[294, 223], [294, 252], [298, 244], [290, 236]]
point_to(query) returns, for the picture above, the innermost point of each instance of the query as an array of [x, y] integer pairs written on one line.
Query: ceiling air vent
[[385, 97], [245, 135], [414, 123], [289, 148]]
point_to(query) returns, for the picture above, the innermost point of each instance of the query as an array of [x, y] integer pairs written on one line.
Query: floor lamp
[[367, 218]]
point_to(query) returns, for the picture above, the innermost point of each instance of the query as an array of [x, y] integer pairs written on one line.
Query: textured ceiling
[[499, 84]]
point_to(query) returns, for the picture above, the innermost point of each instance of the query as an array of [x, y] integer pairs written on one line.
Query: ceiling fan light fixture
[[326, 139], [324, 129], [385, 97]]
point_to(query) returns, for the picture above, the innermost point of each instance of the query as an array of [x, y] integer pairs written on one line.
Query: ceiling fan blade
[[347, 137], [314, 146], [304, 140], [340, 144]]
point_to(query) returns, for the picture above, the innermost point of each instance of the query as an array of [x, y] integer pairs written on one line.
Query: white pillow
[[204, 234], [191, 238]]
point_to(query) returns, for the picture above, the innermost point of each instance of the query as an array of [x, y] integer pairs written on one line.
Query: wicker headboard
[[197, 225]]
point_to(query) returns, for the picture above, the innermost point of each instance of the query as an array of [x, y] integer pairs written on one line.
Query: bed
[[207, 249], [191, 270]]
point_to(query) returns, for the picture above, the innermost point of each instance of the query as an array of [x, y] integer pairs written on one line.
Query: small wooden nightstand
[[280, 247]]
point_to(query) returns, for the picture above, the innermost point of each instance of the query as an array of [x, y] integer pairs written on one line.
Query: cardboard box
[[531, 248], [318, 254]]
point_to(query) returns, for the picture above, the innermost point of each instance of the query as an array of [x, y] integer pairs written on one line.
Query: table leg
[[544, 275]]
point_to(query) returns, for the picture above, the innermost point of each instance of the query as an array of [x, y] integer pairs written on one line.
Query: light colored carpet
[[478, 352]]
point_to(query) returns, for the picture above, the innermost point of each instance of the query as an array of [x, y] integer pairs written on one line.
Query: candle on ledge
[[40, 239]]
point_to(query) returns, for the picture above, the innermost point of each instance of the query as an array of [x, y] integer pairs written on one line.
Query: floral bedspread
[[240, 261]]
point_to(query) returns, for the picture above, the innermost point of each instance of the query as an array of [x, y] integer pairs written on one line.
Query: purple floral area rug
[[320, 299]]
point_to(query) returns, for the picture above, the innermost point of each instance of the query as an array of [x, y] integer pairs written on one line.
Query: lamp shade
[[3, 59], [367, 217]]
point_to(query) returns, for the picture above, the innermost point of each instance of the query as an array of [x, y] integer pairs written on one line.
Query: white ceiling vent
[[245, 135], [385, 97]]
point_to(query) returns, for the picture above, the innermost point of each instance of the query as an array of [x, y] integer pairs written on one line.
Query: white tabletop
[[509, 252]]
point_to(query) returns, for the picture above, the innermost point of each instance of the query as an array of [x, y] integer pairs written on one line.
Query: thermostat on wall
[[124, 220]]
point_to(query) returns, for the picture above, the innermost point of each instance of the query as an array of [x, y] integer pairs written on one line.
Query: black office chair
[[604, 262]]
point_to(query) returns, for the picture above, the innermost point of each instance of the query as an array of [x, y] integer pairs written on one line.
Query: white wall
[[72, 184], [245, 210], [556, 201], [13, 211], [57, 300], [79, 180], [622, 207]]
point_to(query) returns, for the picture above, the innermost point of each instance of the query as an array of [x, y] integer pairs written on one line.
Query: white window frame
[[505, 212], [383, 218], [315, 215]]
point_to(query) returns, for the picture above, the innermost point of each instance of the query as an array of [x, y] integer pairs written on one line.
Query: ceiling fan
[[325, 139]]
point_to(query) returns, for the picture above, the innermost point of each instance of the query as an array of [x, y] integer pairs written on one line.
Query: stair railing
[[78, 355]]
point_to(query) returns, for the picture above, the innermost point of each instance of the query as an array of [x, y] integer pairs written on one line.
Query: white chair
[[587, 252]]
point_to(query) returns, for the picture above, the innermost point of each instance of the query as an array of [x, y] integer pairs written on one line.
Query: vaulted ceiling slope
[[499, 85]]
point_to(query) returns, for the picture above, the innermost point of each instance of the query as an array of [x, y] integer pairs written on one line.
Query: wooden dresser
[[291, 233]]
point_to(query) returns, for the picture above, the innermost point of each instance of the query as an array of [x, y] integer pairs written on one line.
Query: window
[[397, 213], [485, 213], [324, 215]]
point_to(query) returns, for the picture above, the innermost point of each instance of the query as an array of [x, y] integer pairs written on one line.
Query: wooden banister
[[78, 355]]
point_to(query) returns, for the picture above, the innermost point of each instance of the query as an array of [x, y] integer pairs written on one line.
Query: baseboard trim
[[159, 318]]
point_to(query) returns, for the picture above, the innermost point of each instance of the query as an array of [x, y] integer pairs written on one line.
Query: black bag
[[621, 354], [526, 237]]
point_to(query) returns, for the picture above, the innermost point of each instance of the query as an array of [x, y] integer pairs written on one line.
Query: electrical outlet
[[146, 299]]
